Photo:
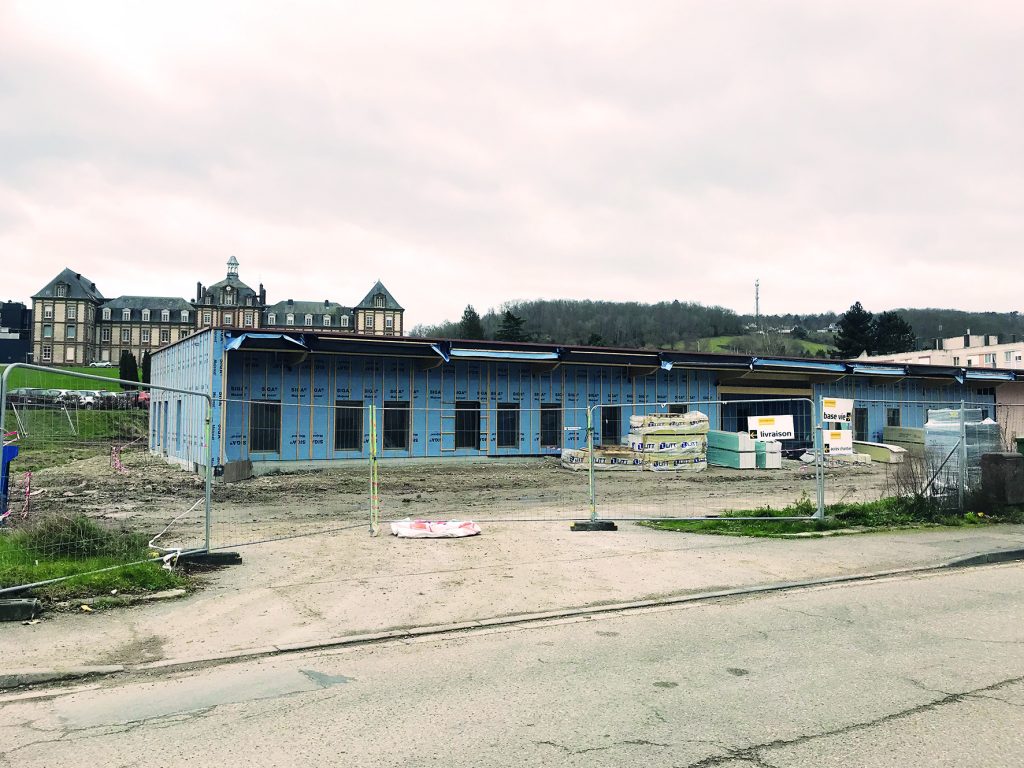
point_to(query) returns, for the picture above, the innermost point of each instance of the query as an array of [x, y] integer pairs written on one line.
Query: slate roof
[[79, 287], [155, 304], [235, 283], [307, 307], [389, 300]]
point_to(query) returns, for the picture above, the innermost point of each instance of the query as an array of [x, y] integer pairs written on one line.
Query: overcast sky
[[479, 152]]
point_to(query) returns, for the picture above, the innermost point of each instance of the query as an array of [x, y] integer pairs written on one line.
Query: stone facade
[[74, 324]]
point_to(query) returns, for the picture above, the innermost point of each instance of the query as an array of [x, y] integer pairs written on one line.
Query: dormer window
[[62, 290], [165, 316], [378, 300], [327, 321], [308, 320], [184, 315], [272, 319], [126, 314], [344, 321], [106, 313], [145, 315], [289, 319]]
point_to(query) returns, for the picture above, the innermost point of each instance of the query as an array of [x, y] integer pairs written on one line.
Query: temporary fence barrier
[[85, 485], [677, 461]]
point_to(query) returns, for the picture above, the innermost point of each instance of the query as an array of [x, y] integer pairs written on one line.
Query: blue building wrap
[[286, 399]]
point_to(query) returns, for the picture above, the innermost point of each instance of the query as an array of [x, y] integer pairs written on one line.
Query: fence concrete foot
[[20, 609], [594, 525], [211, 558]]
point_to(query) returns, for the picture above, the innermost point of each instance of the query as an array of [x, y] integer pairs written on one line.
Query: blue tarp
[[492, 354], [801, 365], [878, 370], [239, 341]]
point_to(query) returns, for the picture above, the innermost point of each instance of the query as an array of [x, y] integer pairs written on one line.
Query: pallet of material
[[768, 454], [911, 439], [605, 459], [658, 462], [692, 423], [659, 443], [740, 442], [883, 453], [720, 457]]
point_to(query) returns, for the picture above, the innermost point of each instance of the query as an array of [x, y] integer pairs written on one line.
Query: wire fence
[[106, 470], [84, 483]]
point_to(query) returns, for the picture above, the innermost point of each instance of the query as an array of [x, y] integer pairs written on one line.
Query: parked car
[[101, 364], [143, 399], [87, 398]]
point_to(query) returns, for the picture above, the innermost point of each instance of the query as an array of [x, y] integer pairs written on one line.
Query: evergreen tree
[[147, 366], [128, 368], [856, 333], [892, 334], [511, 328], [470, 327]]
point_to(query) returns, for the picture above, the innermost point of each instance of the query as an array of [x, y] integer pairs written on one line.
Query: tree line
[[681, 324]]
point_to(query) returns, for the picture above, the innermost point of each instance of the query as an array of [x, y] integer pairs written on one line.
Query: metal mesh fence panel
[[481, 461], [699, 460], [85, 483]]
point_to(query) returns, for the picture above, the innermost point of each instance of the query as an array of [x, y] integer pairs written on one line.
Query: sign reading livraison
[[771, 427]]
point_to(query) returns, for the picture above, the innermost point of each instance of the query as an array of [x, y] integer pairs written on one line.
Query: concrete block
[[23, 609], [236, 471], [1002, 479]]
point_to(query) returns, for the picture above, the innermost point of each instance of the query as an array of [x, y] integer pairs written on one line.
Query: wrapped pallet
[[605, 459], [692, 423]]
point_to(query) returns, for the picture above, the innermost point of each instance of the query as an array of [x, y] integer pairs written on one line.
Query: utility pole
[[757, 303]]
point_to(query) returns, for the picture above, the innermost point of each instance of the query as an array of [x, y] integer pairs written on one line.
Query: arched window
[[344, 321], [289, 319], [271, 319], [145, 315], [106, 313], [126, 314], [165, 316], [308, 320]]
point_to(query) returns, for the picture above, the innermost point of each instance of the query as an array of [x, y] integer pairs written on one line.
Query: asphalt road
[[925, 671]]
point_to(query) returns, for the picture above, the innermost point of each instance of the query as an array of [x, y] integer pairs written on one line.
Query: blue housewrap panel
[[185, 365], [322, 412]]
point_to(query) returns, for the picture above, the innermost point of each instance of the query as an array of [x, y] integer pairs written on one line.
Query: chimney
[[78, 275], [290, 302], [263, 294]]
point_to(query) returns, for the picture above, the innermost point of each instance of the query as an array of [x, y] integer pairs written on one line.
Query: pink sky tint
[[483, 152]]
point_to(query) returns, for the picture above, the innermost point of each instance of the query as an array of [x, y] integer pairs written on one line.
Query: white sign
[[771, 427], [837, 410], [838, 442]]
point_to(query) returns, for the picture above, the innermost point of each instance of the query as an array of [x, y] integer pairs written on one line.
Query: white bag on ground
[[438, 529]]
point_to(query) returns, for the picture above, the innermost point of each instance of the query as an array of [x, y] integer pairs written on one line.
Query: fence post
[[819, 454], [962, 459], [209, 471], [374, 478], [590, 467]]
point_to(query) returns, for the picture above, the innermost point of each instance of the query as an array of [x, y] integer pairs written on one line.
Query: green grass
[[51, 438], [728, 343], [884, 514], [60, 378], [76, 546]]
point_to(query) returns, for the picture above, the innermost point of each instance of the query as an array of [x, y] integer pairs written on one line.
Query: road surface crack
[[753, 753]]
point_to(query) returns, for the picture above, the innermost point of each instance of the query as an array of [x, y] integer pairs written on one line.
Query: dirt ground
[[150, 494]]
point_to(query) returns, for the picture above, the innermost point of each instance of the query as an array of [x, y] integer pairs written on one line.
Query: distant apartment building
[[967, 351], [72, 323]]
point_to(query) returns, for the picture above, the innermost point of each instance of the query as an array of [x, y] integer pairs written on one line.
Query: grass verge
[[884, 514], [62, 378], [77, 547]]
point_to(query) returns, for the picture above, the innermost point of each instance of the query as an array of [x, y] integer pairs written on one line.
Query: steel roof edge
[[340, 341]]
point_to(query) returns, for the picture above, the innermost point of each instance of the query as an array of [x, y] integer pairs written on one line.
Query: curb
[[20, 678], [31, 678]]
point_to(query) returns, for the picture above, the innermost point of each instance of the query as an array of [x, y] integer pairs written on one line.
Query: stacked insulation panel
[[768, 454], [736, 450], [656, 442], [670, 441]]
